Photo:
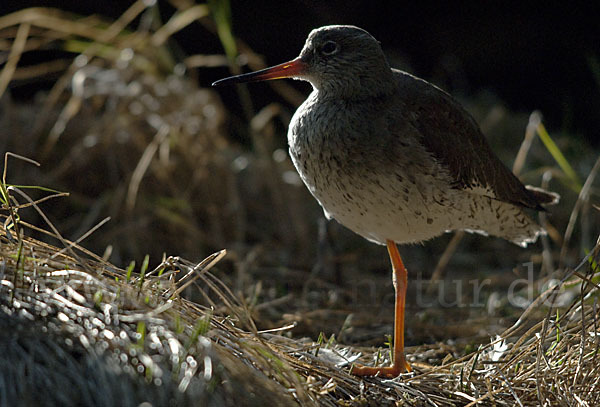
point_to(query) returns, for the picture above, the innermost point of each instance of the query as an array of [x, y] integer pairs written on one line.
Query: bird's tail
[[542, 196]]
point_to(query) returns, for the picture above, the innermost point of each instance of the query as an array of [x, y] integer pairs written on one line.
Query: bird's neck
[[358, 87]]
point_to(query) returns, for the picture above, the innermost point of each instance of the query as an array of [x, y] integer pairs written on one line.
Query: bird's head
[[338, 60]]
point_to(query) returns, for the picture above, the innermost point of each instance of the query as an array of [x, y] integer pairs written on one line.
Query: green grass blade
[[130, 270], [141, 330], [143, 270], [39, 188], [558, 156], [221, 11]]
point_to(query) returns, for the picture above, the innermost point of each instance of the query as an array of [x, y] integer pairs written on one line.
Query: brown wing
[[453, 137]]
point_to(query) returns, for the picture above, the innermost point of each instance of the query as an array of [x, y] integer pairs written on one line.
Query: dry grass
[[128, 133], [73, 321], [85, 327]]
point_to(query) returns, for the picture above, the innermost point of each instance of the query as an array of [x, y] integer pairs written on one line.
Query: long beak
[[286, 70]]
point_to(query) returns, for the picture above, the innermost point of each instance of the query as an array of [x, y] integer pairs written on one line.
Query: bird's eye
[[329, 48]]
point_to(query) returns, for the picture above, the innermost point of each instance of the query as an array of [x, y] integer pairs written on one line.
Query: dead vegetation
[[128, 133], [101, 334]]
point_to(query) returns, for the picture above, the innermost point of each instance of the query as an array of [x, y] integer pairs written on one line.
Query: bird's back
[[455, 140]]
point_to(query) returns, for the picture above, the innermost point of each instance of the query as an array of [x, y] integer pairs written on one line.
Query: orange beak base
[[286, 70]]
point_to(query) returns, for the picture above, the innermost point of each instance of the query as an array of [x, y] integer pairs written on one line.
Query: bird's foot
[[401, 366]]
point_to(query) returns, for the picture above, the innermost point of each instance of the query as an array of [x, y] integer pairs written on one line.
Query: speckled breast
[[379, 194]]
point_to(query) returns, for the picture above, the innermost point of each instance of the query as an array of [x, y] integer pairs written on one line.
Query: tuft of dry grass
[[77, 330]]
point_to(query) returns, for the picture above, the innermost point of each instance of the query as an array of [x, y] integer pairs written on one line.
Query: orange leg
[[399, 365]]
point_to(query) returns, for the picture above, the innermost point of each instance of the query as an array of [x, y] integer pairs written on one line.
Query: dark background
[[532, 56]]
